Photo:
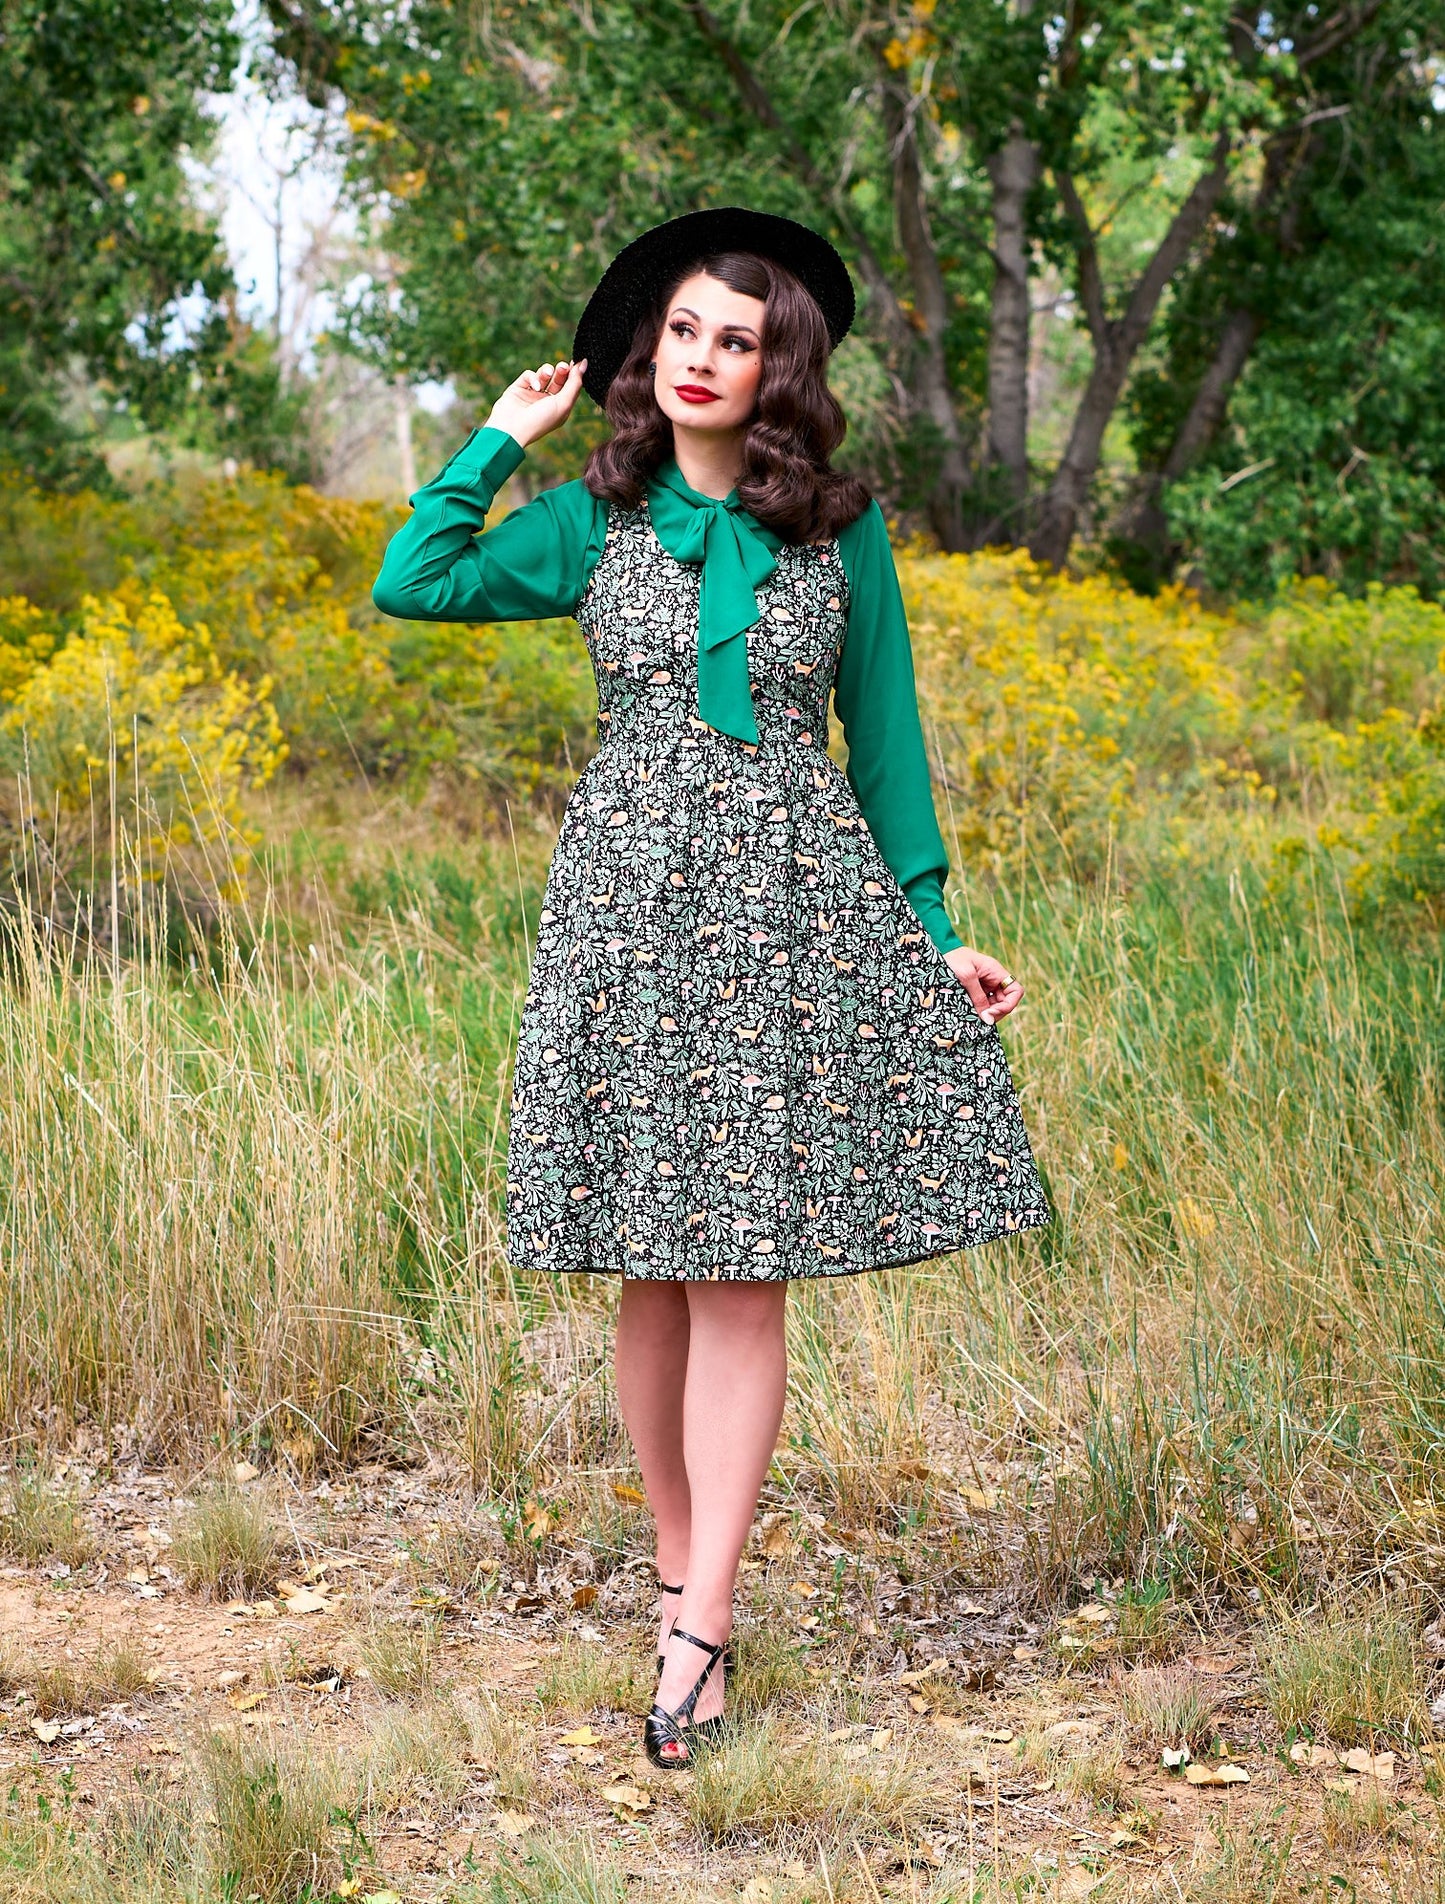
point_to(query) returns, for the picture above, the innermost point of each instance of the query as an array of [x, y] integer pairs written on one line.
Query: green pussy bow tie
[[738, 554]]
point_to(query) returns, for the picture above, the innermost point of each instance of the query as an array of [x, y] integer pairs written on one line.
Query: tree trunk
[[1013, 170], [406, 453], [1116, 341], [932, 392], [1144, 522]]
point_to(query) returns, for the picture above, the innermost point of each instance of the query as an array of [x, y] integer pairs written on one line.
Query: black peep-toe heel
[[661, 1727], [666, 1589]]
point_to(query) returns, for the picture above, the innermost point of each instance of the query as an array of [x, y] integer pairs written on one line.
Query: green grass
[[225, 1543], [1347, 1672]]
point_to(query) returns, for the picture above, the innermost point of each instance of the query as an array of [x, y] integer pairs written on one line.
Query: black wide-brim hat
[[630, 286]]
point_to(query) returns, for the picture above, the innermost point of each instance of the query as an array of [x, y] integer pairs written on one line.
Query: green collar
[[738, 554]]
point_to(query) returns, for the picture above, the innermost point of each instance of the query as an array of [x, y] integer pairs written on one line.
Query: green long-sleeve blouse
[[536, 562]]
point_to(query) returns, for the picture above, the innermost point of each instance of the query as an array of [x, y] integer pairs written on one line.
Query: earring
[[652, 369]]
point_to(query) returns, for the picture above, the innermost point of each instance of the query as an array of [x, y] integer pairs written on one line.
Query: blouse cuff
[[923, 892], [487, 457]]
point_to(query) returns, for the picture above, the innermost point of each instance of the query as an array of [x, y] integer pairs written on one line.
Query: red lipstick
[[694, 393]]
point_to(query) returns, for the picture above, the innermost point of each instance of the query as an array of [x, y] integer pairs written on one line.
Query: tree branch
[[1059, 514], [1174, 248], [756, 98], [1335, 32], [1091, 284], [934, 392]]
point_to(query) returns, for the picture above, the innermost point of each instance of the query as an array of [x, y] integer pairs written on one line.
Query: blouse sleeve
[[877, 701], [533, 565]]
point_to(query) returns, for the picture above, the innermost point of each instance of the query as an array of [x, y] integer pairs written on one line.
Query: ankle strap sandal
[[666, 1589], [662, 1727]]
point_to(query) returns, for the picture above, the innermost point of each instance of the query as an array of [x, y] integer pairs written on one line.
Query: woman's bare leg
[[651, 1371], [737, 1368]]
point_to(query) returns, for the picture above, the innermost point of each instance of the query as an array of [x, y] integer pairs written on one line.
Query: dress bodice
[[639, 618]]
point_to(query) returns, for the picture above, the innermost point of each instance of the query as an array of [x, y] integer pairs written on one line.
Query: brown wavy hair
[[797, 424]]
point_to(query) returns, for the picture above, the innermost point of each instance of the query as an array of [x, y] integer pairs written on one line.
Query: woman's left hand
[[993, 990]]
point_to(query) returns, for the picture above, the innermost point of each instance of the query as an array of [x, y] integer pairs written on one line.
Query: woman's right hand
[[538, 401]]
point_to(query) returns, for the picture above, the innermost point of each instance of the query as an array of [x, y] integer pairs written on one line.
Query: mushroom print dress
[[742, 1054]]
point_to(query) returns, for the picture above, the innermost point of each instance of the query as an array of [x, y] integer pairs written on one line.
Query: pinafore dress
[[740, 1056]]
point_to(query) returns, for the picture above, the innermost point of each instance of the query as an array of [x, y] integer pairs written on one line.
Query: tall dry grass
[[257, 1199]]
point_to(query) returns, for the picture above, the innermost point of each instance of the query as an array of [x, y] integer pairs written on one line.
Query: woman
[[753, 1047]]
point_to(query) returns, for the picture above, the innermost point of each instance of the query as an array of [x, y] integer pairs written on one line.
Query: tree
[[105, 264], [1294, 420], [952, 148]]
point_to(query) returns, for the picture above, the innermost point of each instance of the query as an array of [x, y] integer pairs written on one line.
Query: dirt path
[[977, 1736]]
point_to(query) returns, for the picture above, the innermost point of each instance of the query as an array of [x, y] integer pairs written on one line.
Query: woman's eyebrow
[[682, 310]]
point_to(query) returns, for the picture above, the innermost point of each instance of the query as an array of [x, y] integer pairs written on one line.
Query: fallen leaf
[[1216, 1775], [804, 1589], [138, 1576], [242, 1472], [238, 1606], [1378, 1765], [305, 1601], [983, 1499], [1077, 1882], [225, 1681], [583, 1597], [1312, 1756], [628, 1799], [1122, 1839], [882, 1739], [76, 1726], [584, 1735], [1343, 1784], [1003, 1737], [512, 1824], [1026, 1652], [46, 1730], [537, 1520], [757, 1891], [971, 1607], [1174, 1756], [917, 1703], [248, 1701], [164, 1748], [1094, 1614], [381, 1897], [776, 1541], [634, 1497], [1207, 1663]]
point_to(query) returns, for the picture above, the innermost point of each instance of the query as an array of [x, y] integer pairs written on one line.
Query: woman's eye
[[680, 324]]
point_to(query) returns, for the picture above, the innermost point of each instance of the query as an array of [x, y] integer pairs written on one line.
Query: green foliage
[[507, 162], [503, 163], [1332, 461], [99, 235]]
